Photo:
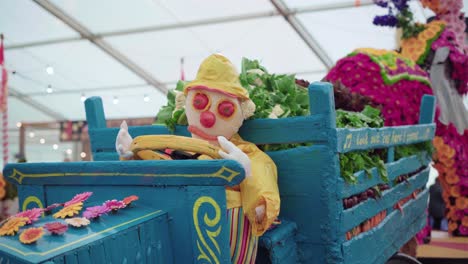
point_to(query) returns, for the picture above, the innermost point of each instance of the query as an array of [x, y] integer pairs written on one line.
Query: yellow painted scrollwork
[[209, 252]]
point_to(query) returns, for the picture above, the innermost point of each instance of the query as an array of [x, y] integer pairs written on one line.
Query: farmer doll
[[216, 105]]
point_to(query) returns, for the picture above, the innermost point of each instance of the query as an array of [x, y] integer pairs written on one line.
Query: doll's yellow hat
[[217, 73]]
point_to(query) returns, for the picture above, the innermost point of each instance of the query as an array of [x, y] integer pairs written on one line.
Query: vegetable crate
[[190, 200]]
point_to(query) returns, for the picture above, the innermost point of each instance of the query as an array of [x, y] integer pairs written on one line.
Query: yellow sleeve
[[261, 188]]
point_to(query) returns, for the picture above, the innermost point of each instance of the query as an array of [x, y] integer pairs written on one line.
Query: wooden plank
[[259, 131], [427, 109], [372, 138], [95, 113], [389, 231], [365, 210], [394, 169], [105, 156], [406, 233], [286, 130], [174, 172]]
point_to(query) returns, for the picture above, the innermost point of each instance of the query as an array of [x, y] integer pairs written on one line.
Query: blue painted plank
[[365, 210], [31, 196], [173, 172], [172, 199], [407, 232], [97, 253], [259, 131], [322, 101], [79, 240], [105, 156], [71, 258], [374, 242], [394, 169], [209, 228], [427, 109], [372, 138], [95, 113]]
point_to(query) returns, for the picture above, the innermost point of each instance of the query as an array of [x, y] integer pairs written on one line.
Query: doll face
[[211, 114]]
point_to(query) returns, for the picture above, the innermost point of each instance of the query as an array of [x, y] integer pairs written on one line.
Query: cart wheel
[[400, 258]]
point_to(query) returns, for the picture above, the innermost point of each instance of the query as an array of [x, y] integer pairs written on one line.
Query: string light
[[49, 89], [146, 98], [116, 100], [83, 97], [31, 134], [19, 124], [69, 151], [50, 70], [83, 155], [55, 146], [42, 141]]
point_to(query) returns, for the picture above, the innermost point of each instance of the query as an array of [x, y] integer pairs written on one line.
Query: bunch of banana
[[146, 147]]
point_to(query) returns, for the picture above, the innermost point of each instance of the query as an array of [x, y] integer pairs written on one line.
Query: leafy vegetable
[[360, 160]]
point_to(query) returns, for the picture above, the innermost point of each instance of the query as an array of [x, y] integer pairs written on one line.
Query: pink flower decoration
[[33, 215], [79, 198], [52, 207], [463, 230], [56, 228], [95, 211], [114, 204]]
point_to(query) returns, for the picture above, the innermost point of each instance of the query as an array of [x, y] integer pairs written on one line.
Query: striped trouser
[[243, 244]]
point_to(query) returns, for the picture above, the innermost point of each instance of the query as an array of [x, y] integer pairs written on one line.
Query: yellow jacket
[[260, 188]]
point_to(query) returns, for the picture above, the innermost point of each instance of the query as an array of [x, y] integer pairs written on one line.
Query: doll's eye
[[200, 101], [226, 108]]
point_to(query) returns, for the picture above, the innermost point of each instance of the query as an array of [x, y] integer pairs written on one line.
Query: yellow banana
[[160, 142]]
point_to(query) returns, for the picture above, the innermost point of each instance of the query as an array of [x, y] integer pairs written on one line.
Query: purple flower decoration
[[381, 3], [95, 211], [385, 20], [400, 4], [114, 205], [79, 198], [32, 214]]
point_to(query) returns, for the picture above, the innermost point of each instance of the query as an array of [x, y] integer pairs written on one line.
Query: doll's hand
[[234, 153], [259, 213], [123, 142]]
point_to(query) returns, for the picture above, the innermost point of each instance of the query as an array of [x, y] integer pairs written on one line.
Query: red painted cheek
[[207, 119]]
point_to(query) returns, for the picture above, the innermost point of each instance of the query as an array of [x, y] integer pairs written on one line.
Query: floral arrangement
[[72, 208], [392, 82], [450, 12], [417, 47], [450, 161], [400, 16]]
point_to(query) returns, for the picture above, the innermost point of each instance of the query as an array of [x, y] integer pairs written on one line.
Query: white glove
[[234, 153], [123, 142], [259, 213]]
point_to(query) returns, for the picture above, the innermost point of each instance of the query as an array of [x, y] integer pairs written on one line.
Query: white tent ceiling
[[131, 49]]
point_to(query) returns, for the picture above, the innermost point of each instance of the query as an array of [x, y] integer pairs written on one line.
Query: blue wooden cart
[[180, 217]]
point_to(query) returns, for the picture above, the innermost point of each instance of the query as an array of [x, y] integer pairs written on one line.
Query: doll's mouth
[[195, 130]]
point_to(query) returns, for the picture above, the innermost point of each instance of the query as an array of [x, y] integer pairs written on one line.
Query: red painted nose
[[207, 119]]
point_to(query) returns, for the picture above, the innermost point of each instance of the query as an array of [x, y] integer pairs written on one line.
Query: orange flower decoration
[[128, 200], [461, 203], [465, 221], [70, 210], [452, 226], [455, 190], [437, 142], [12, 226], [31, 235], [452, 178], [451, 215]]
